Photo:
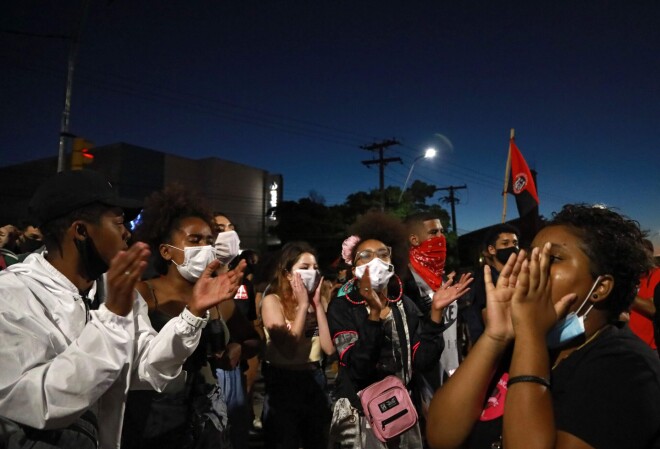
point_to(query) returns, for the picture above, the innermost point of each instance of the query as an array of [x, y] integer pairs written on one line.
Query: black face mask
[[90, 258], [503, 254], [29, 245]]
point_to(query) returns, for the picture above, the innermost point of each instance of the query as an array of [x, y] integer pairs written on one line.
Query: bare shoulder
[[144, 290], [272, 310], [270, 301]]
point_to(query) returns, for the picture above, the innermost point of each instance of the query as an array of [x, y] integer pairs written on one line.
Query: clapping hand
[[450, 292], [210, 291], [375, 303], [124, 273]]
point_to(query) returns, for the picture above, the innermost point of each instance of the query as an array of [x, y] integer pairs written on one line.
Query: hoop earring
[[350, 287]]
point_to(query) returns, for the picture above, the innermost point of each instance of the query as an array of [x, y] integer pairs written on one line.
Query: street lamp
[[428, 154]]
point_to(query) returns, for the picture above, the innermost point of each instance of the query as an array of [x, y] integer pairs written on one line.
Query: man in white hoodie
[[66, 369]]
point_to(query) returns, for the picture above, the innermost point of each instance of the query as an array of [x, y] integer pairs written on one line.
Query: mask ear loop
[[184, 254], [593, 287]]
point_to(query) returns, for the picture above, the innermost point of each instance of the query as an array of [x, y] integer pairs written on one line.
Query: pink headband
[[347, 248]]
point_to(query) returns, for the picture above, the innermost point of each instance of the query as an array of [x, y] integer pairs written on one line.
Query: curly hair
[[614, 245], [162, 214], [289, 255], [376, 225]]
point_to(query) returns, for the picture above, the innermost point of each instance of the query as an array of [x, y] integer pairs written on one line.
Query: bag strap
[[401, 324]]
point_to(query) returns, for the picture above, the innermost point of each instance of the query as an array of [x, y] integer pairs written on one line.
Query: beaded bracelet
[[533, 379]]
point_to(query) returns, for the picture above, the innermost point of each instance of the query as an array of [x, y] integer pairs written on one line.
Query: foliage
[[325, 227]]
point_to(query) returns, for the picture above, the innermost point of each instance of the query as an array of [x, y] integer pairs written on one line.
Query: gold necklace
[[589, 340]]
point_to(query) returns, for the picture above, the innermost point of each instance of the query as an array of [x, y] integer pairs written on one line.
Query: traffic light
[[80, 155]]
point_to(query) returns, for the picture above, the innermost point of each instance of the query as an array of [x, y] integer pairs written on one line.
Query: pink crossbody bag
[[387, 404], [388, 408]]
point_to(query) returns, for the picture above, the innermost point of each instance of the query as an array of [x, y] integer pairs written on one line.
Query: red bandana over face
[[428, 260]]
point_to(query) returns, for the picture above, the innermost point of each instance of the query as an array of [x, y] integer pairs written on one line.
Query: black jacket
[[359, 342]]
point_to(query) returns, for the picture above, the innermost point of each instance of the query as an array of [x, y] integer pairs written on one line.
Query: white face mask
[[227, 246], [310, 278], [572, 326], [195, 261], [380, 273]]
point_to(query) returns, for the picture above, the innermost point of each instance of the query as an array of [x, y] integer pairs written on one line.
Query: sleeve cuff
[[193, 321], [434, 327]]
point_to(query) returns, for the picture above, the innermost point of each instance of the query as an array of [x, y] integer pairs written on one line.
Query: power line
[[40, 35], [256, 117], [220, 108]]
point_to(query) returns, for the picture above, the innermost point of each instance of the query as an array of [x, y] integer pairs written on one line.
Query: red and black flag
[[521, 182]]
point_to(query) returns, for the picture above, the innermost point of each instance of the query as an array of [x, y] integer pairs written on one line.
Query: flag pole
[[507, 173]]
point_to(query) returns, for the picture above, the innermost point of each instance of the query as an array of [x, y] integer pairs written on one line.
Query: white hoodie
[[55, 366]]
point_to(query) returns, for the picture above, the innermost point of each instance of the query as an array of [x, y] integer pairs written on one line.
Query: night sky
[[295, 87]]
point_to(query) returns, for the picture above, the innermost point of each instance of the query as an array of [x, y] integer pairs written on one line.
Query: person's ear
[[79, 230], [288, 275], [413, 240], [164, 251], [491, 250], [603, 288]]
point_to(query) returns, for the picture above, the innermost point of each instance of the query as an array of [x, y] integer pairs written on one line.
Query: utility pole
[[66, 113], [452, 200], [382, 162]]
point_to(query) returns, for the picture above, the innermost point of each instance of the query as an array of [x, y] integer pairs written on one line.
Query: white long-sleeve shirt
[[54, 366], [449, 358]]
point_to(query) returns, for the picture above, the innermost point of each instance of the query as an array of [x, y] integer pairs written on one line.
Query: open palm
[[498, 298]]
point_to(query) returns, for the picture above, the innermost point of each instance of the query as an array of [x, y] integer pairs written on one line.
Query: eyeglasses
[[367, 255]]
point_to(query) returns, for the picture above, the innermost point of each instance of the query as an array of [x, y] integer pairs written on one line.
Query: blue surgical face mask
[[572, 326]]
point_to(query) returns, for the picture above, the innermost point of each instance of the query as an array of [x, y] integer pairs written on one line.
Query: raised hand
[[498, 298], [316, 300], [532, 307], [210, 291], [370, 296], [450, 292], [124, 273], [299, 291]]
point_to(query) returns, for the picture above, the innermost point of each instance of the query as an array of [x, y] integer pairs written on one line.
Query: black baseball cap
[[71, 190]]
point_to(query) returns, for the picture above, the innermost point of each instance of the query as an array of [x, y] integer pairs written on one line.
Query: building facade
[[247, 195]]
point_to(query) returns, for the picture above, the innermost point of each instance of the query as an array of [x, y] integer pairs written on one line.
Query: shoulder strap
[[399, 316], [153, 293]]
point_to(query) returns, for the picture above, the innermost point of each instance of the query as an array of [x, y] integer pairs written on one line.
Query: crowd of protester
[[154, 337]]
